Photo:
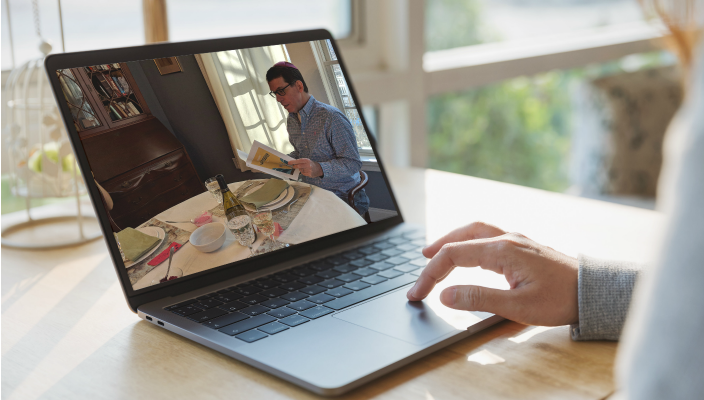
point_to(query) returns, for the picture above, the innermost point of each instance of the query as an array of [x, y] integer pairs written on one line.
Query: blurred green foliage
[[516, 131]]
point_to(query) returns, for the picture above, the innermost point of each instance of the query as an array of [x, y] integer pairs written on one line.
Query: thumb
[[479, 298]]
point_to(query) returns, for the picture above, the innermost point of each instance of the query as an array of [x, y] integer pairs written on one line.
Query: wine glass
[[263, 221], [241, 227], [214, 188]]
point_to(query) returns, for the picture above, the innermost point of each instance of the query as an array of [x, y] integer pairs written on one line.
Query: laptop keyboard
[[266, 306]]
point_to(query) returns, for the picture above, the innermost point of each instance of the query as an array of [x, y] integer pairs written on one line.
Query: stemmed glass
[[263, 221], [214, 189], [241, 227]]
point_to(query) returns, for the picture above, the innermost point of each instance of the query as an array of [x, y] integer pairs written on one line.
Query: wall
[[302, 57], [183, 103]]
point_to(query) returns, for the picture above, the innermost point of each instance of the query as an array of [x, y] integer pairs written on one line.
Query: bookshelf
[[102, 97]]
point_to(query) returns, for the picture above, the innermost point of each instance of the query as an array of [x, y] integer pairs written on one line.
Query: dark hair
[[290, 75]]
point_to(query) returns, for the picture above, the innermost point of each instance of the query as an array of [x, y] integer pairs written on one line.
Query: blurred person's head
[[287, 84]]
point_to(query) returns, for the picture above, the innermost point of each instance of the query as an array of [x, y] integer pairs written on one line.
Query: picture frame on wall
[[168, 65]]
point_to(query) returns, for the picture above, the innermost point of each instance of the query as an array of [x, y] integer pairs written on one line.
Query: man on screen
[[325, 147]]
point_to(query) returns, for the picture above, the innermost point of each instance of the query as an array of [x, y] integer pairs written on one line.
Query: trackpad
[[413, 322]]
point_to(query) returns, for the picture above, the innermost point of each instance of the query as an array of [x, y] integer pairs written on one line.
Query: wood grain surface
[[68, 333]]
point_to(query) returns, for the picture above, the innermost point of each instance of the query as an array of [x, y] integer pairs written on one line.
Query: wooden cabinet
[[133, 156]]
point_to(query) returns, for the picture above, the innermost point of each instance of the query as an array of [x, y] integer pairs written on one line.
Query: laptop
[[319, 297]]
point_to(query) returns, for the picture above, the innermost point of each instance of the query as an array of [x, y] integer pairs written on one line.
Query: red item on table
[[278, 230], [164, 255]]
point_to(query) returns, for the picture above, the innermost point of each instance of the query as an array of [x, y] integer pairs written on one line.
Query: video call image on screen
[[218, 157]]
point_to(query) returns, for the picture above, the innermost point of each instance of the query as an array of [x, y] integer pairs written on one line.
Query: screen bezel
[[216, 274]]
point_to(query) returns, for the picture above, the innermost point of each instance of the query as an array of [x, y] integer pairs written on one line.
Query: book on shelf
[[106, 84], [134, 109], [114, 111], [118, 85]]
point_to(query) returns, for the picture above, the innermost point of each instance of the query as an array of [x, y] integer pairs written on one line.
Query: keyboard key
[[407, 247], [331, 283], [254, 310], [359, 285], [206, 315], [274, 303], [248, 290], [251, 336], [339, 292], [380, 266], [349, 277], [365, 271], [301, 305], [225, 320], [337, 260], [406, 267], [285, 278], [186, 310], [398, 241], [421, 262], [321, 265], [294, 320], [209, 303], [281, 312], [417, 272], [292, 286], [253, 299], [206, 296], [352, 255], [420, 243], [228, 297], [412, 255], [311, 280], [181, 304], [368, 250], [223, 291], [316, 312], [273, 328], [414, 235], [383, 245], [294, 296], [247, 324], [392, 252], [390, 273], [328, 274], [377, 257], [275, 292], [374, 279], [233, 306], [302, 271], [312, 289], [345, 268], [320, 298], [397, 260], [362, 262], [267, 283], [354, 298]]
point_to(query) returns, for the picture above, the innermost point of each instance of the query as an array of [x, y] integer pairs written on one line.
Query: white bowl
[[208, 237]]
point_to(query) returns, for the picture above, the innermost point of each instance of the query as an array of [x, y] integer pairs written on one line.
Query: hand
[[307, 167], [543, 281]]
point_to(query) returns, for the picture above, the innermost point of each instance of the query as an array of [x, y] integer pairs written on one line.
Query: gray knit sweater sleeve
[[604, 294]]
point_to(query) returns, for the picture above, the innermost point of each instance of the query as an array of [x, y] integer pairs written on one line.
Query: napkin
[[267, 193], [135, 243]]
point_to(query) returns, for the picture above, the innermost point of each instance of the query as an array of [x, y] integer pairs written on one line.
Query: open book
[[265, 159]]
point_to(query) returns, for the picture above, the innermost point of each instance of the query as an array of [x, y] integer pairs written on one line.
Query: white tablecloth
[[322, 215]]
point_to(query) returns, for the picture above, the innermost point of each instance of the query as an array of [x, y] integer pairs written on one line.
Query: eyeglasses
[[280, 92]]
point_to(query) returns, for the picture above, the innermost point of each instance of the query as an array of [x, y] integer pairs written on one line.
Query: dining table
[[67, 331], [322, 214]]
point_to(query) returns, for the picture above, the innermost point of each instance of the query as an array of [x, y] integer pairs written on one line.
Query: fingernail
[[447, 297], [412, 291]]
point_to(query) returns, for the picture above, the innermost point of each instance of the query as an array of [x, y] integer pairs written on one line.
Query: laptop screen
[[224, 156]]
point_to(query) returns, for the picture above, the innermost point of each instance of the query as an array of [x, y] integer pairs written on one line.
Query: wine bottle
[[233, 208]]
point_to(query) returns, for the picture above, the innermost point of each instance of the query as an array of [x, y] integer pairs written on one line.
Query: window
[[339, 93], [225, 18]]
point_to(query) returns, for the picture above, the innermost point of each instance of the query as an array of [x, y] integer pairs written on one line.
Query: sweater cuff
[[604, 294]]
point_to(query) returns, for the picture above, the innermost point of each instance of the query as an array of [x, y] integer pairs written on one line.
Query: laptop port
[[149, 318], [160, 323]]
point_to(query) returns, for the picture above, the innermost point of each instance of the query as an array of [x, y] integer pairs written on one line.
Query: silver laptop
[[319, 297]]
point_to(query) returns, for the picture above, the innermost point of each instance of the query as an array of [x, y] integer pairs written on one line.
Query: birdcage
[[42, 161]]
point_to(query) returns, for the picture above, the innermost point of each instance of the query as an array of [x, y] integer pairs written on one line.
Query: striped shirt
[[322, 133]]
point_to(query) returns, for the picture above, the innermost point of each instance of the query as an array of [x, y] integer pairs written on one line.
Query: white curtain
[[237, 81]]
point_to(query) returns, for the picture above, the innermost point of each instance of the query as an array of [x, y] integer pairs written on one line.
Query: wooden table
[[67, 332]]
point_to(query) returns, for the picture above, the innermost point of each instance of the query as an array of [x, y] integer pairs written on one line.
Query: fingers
[[478, 298], [476, 230], [471, 253]]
